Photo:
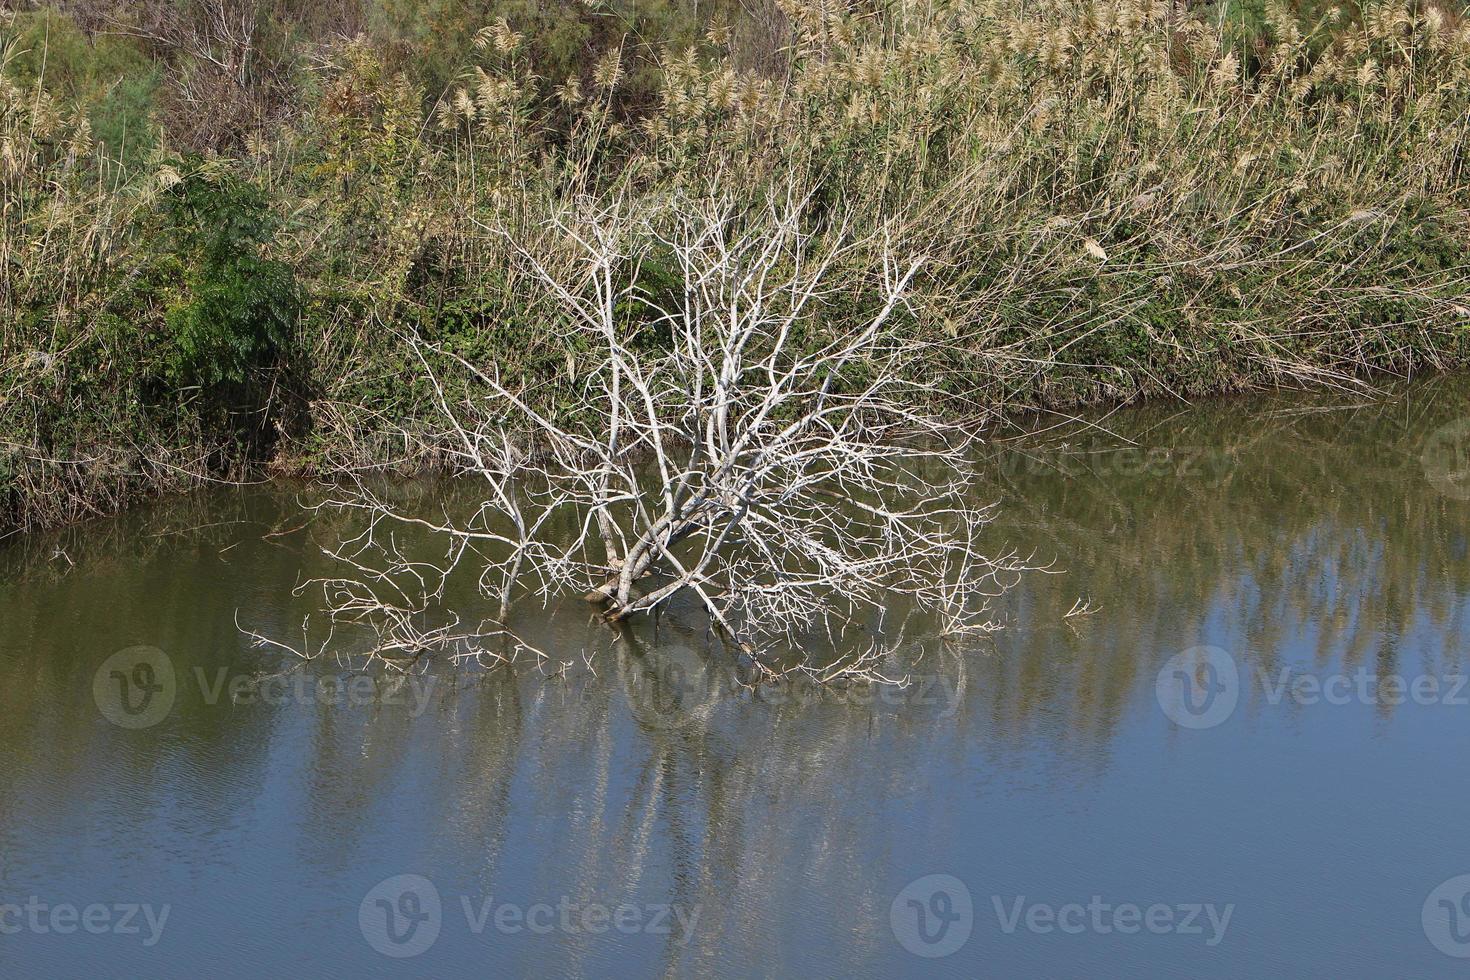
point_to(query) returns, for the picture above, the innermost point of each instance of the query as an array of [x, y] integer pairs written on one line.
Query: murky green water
[[1242, 754]]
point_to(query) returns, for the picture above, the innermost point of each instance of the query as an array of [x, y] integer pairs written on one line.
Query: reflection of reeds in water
[[1318, 542], [622, 807], [1321, 544]]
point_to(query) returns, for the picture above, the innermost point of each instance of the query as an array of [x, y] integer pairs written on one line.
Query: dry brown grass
[[1112, 200]]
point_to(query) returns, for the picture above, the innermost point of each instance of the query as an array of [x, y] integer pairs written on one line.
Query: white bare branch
[[740, 444]]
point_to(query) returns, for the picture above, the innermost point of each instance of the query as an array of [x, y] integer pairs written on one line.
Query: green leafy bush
[[236, 310]]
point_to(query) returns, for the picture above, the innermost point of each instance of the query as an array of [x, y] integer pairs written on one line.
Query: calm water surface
[[1210, 769]]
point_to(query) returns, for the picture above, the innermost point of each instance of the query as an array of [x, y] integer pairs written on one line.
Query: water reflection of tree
[[1309, 536], [748, 814]]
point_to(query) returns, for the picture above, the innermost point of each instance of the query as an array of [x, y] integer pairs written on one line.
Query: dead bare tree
[[761, 457]]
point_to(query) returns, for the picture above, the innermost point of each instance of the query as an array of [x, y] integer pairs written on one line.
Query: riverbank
[[1110, 203]]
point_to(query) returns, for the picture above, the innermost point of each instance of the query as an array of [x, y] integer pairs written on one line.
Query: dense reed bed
[[1110, 201]]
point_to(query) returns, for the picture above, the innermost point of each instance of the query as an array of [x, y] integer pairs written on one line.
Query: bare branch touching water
[[734, 442]]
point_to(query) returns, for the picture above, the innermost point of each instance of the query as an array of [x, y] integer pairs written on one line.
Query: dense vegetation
[[219, 219]]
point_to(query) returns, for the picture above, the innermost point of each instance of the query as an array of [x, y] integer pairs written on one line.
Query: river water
[[1223, 734]]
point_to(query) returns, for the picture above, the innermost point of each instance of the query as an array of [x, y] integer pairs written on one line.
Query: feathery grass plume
[[609, 70]]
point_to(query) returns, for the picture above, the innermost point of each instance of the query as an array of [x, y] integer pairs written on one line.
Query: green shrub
[[235, 313], [109, 79]]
